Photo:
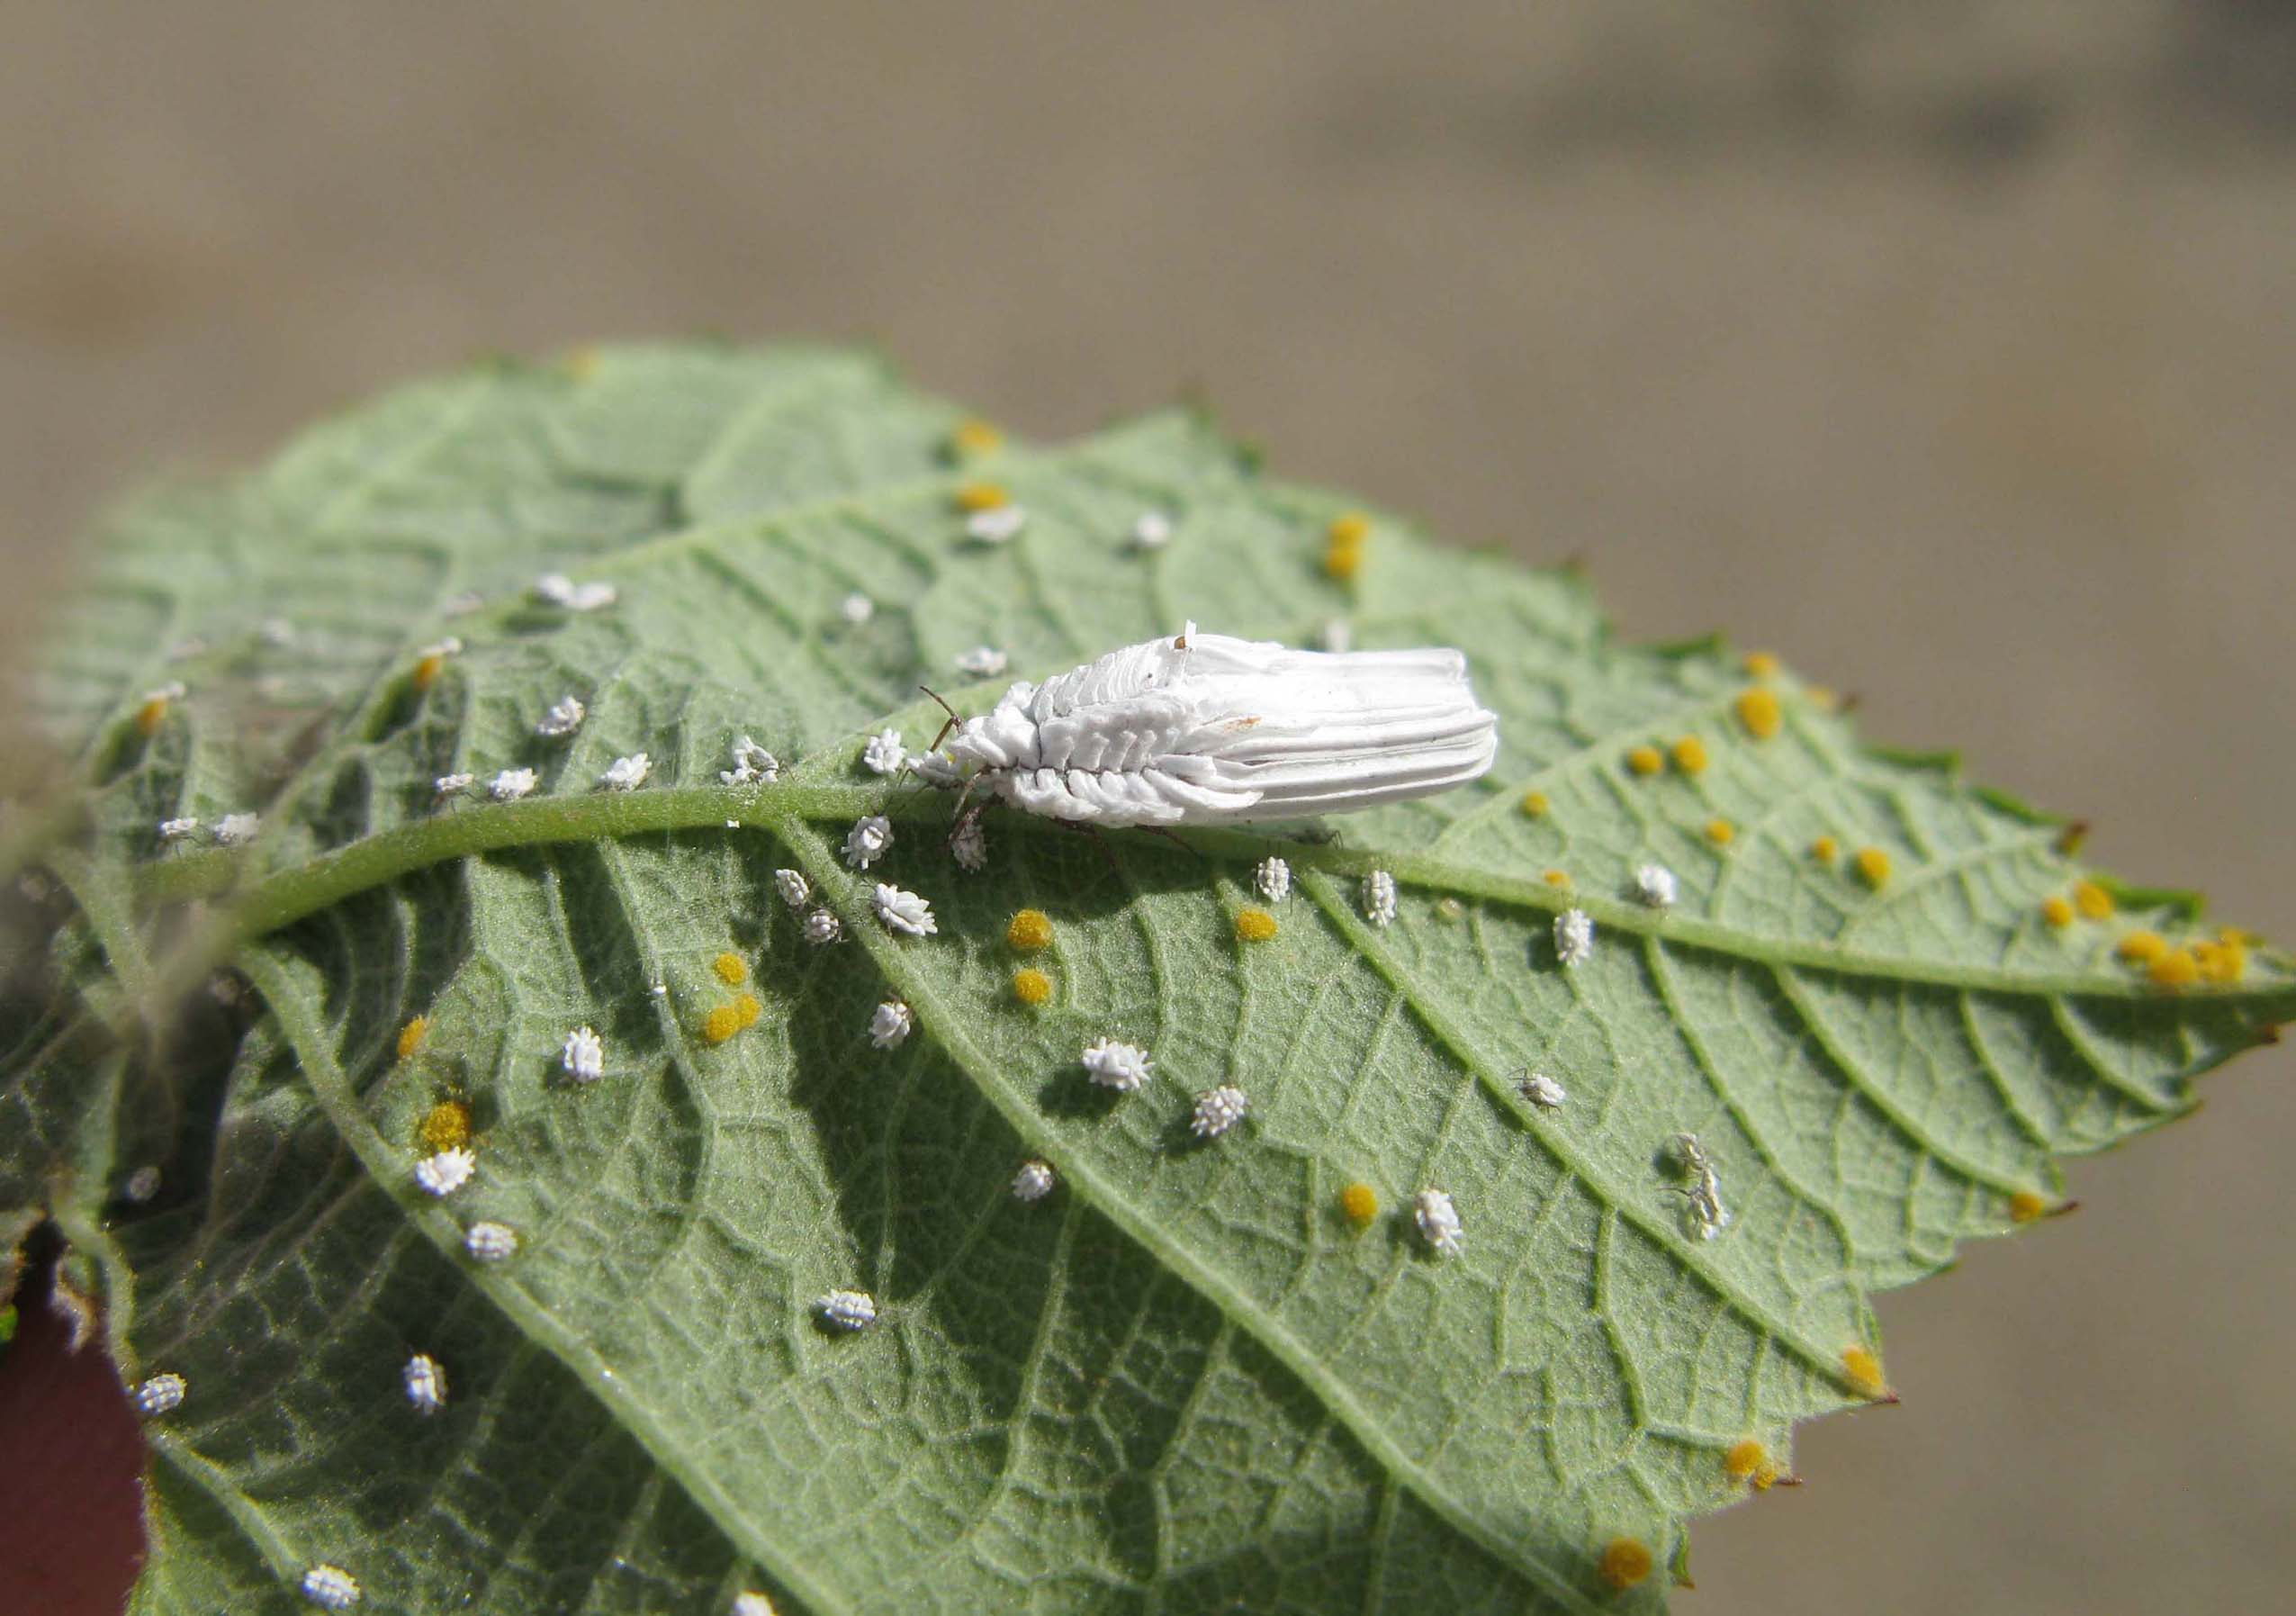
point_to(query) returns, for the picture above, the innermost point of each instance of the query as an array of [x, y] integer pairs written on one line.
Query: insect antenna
[[955, 717]]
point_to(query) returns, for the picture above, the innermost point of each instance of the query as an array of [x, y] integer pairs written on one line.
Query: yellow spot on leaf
[[1031, 987], [1746, 1458], [1759, 664], [1626, 1563], [975, 438], [731, 969], [1254, 925], [1691, 755], [150, 716], [1645, 759], [1342, 561], [1758, 711], [1873, 867], [1348, 530], [1826, 850], [445, 1126], [2056, 910], [2091, 901], [2142, 948], [2225, 962], [981, 496], [1534, 804], [1558, 878], [1721, 832], [2026, 1205], [411, 1035], [2175, 969], [750, 1008], [428, 670], [721, 1024], [1359, 1203], [1030, 930], [1864, 1370]]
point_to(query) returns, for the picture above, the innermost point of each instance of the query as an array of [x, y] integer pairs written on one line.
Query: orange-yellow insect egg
[[1534, 804], [1359, 1203], [445, 1126], [2223, 962], [1645, 759], [2175, 969], [2142, 948], [1342, 561], [1348, 530], [411, 1035], [1758, 711], [1031, 987], [2056, 910], [1759, 664], [721, 1024], [1558, 878], [2091, 901], [2026, 1205], [1864, 1370], [1254, 925], [152, 715], [731, 969], [1691, 755], [981, 496], [1873, 866], [749, 1009], [1626, 1563], [1747, 1459], [427, 669], [1826, 850], [975, 438], [1030, 930], [1721, 832]]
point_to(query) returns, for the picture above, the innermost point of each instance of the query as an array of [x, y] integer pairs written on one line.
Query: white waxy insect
[[1703, 1195], [821, 927], [142, 1184], [997, 525], [1574, 936], [983, 662], [794, 889], [160, 1394], [233, 830], [583, 1057], [857, 609], [903, 912], [1655, 885], [174, 689], [848, 1310], [442, 649], [510, 785], [627, 773], [1439, 1221], [1153, 531], [559, 590], [752, 765], [565, 716], [491, 1242], [867, 841], [968, 843], [330, 1587], [176, 830], [1379, 898], [425, 1378], [889, 1025], [446, 1172], [1542, 1091], [751, 1602], [453, 785], [1122, 1067], [1219, 1110], [883, 753], [1034, 1181], [1272, 877], [1203, 728]]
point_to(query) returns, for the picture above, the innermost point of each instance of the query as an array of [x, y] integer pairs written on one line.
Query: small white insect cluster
[[330, 1587], [1439, 1221], [822, 927], [847, 1310], [1542, 1091], [491, 1242], [996, 525], [1379, 898], [583, 1057], [902, 911], [558, 590], [1574, 937], [868, 841], [751, 1603], [1708, 1215], [968, 843], [983, 662], [1655, 885], [425, 1378], [794, 889], [1219, 1110], [446, 1172], [1034, 1181], [884, 752], [564, 716], [511, 784], [627, 773], [453, 785], [890, 1026], [857, 609], [1272, 877], [752, 765], [177, 830], [160, 1394], [233, 830], [1153, 531], [1122, 1067]]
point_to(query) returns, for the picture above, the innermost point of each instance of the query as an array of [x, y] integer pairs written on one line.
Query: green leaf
[[1185, 1380]]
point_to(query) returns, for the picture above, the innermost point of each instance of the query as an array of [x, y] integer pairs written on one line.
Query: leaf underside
[[1183, 1381]]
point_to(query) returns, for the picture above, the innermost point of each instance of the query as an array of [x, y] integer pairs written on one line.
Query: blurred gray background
[[1947, 349]]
